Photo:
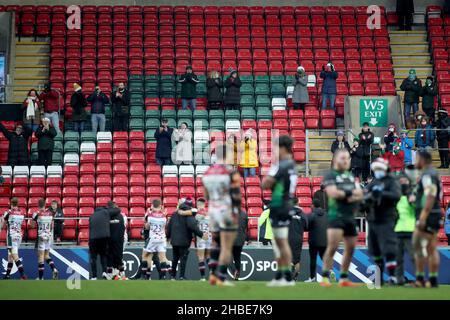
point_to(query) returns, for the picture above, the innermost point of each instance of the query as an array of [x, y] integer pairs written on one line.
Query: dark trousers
[[115, 254], [180, 253], [45, 157], [404, 244], [237, 250], [214, 105], [313, 251], [443, 152], [405, 20], [232, 107], [299, 106], [365, 170], [120, 123], [357, 172], [163, 161], [98, 248]]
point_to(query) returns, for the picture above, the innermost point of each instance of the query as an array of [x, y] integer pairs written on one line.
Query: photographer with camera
[[405, 225], [50, 98], [121, 108], [300, 95], [381, 198], [98, 101], [329, 91]]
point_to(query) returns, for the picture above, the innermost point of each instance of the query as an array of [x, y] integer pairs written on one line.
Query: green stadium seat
[[34, 158], [136, 99], [70, 146], [262, 79], [136, 87], [248, 114], [150, 135], [136, 124], [136, 112], [262, 89], [151, 78], [188, 122], [216, 114], [232, 115], [201, 89], [184, 114], [59, 136], [263, 101], [277, 79], [167, 78], [217, 124], [264, 114], [247, 101], [88, 136], [34, 147], [169, 114], [172, 123], [247, 89], [278, 90], [58, 146], [289, 79], [200, 114], [246, 79], [201, 123], [135, 77], [71, 136], [108, 113], [152, 123], [57, 158], [152, 114]]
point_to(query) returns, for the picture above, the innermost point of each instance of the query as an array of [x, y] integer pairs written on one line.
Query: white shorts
[[44, 244], [222, 218], [13, 244], [204, 244], [155, 246]]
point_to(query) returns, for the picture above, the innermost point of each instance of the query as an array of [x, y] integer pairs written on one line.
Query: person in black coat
[[321, 196], [428, 93], [297, 227], [241, 238], [317, 238], [163, 136], [340, 142], [443, 135], [99, 236], [78, 103], [233, 94], [357, 154], [45, 134], [116, 239], [18, 154], [121, 108], [58, 225], [214, 85], [405, 10], [365, 141], [180, 230]]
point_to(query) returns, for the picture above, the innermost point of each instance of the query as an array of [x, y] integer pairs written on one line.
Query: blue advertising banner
[[257, 264]]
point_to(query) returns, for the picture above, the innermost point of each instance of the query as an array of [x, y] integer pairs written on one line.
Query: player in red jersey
[[14, 218]]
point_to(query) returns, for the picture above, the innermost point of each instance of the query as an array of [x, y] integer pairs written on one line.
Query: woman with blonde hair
[[32, 109], [214, 85], [248, 154]]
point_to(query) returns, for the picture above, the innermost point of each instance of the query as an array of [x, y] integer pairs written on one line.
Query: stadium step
[[319, 152], [31, 68]]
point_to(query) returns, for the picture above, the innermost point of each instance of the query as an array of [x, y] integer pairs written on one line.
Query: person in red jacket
[[396, 157], [50, 98]]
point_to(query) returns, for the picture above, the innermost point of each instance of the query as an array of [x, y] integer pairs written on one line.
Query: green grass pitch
[[195, 290]]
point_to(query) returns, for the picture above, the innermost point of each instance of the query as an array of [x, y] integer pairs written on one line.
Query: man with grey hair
[[45, 134]]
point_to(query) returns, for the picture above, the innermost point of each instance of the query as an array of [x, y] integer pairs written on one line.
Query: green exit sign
[[374, 112]]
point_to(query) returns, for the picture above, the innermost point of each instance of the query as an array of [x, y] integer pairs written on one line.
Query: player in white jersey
[[43, 219], [203, 246], [155, 222], [223, 221], [14, 218]]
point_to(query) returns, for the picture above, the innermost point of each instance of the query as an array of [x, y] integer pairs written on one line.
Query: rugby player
[[282, 180], [43, 218], [344, 194], [14, 218], [428, 214], [217, 182], [203, 246], [155, 220]]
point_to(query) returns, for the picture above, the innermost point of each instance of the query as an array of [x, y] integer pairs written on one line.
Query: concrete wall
[[420, 5]]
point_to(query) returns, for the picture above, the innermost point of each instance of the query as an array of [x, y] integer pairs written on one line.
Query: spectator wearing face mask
[[395, 157], [390, 136], [442, 125], [329, 91], [366, 140], [425, 135], [357, 154], [428, 93], [412, 87], [121, 108], [98, 102], [300, 95], [406, 145], [188, 82]]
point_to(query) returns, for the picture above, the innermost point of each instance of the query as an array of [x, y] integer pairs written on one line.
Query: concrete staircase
[[319, 152], [410, 50], [31, 67]]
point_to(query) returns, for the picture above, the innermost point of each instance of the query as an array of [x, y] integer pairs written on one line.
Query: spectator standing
[[248, 151], [18, 145], [45, 134], [300, 95], [78, 103], [58, 218], [405, 10], [99, 236], [329, 91], [183, 150], [297, 227], [32, 109], [121, 108], [214, 85], [366, 140], [395, 157], [406, 145], [317, 226], [179, 231], [50, 98], [357, 154], [340, 142], [428, 94], [443, 135], [412, 87], [241, 238], [265, 227], [390, 136], [233, 93], [447, 223], [163, 136], [232, 150], [425, 135], [188, 82], [98, 102], [321, 196]]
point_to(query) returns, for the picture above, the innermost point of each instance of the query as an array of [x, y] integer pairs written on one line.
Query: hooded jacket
[[214, 90], [386, 193], [318, 224], [412, 90], [18, 146], [180, 230], [429, 137], [406, 145], [233, 92], [78, 103], [366, 140]]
